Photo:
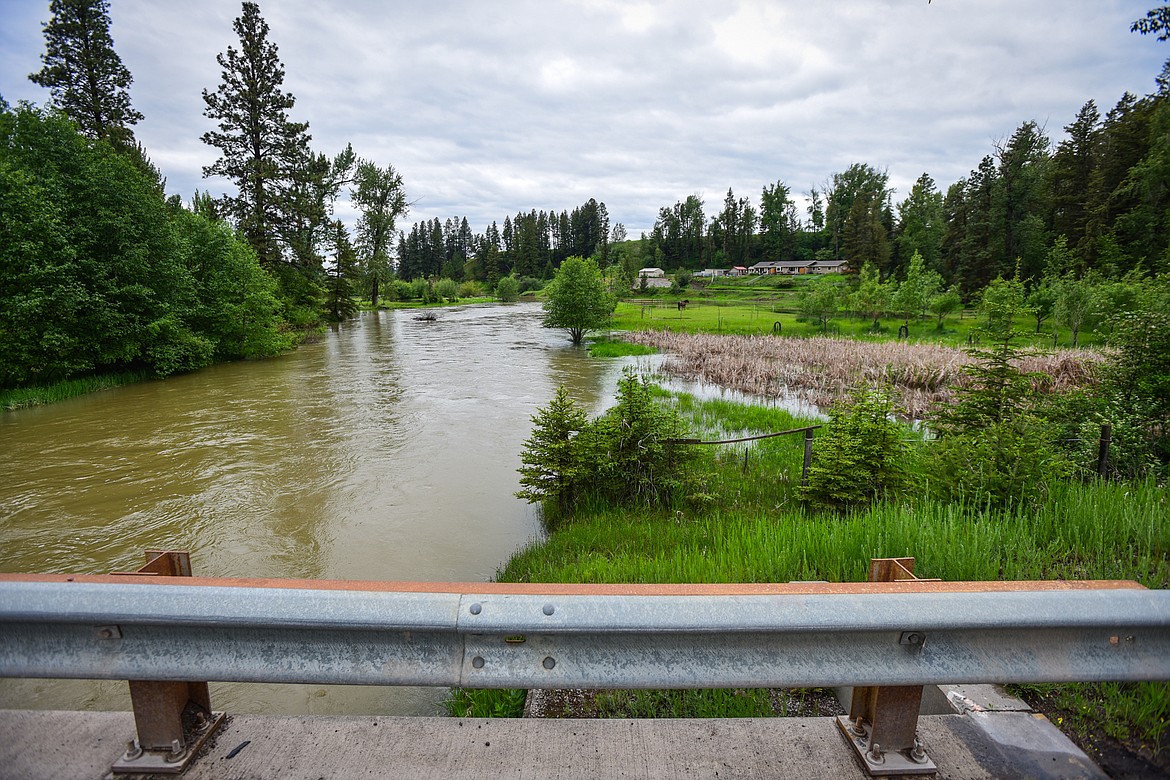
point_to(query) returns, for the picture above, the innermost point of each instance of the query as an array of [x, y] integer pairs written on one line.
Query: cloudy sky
[[489, 108]]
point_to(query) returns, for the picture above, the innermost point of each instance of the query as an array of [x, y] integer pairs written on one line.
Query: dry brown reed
[[822, 369]]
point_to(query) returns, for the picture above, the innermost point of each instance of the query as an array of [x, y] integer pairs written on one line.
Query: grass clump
[[24, 397], [612, 348]]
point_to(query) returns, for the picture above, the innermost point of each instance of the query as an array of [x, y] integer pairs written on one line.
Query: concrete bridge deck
[[971, 746]]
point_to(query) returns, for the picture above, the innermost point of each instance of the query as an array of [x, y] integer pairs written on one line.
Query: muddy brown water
[[387, 451]]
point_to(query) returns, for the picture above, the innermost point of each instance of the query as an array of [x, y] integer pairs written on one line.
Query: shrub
[[508, 289], [996, 444], [403, 291], [470, 290], [446, 289], [861, 455], [624, 456], [530, 284]]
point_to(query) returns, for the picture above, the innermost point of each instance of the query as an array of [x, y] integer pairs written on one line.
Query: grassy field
[[743, 521], [778, 316]]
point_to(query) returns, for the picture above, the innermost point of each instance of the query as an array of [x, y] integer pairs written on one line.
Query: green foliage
[[861, 456], [470, 290], [912, 297], [943, 304], [553, 468], [380, 196], [84, 74], [490, 703], [447, 290], [23, 397], [871, 297], [627, 453], [101, 275], [508, 289], [820, 300], [259, 146], [623, 456], [608, 348], [996, 443], [577, 299], [1136, 389], [1074, 302]]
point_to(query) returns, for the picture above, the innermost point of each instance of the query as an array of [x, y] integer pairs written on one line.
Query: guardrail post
[[882, 725], [172, 719]]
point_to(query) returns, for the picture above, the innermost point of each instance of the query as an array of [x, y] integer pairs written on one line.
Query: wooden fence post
[[1103, 450], [808, 442]]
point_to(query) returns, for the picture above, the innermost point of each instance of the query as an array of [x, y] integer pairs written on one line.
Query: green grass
[[744, 522], [24, 397], [737, 315], [607, 348]]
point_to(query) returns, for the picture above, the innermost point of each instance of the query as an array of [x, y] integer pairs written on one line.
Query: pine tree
[[84, 74], [259, 145], [339, 297]]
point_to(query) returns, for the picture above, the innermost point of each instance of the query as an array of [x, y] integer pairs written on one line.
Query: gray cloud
[[492, 108]]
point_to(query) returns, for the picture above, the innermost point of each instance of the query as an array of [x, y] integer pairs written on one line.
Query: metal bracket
[[143, 760], [876, 759]]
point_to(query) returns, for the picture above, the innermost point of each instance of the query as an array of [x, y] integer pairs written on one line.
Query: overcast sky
[[489, 108]]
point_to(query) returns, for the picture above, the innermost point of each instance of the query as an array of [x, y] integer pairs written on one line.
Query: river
[[386, 451]]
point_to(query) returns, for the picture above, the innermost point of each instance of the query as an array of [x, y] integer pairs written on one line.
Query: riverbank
[[25, 397], [742, 520]]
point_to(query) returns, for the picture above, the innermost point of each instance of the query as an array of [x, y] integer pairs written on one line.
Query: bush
[[530, 284], [996, 444], [403, 291], [861, 455], [470, 290], [508, 289], [446, 290], [624, 456]]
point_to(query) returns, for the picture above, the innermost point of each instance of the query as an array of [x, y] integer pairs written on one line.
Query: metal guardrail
[[168, 633], [468, 635]]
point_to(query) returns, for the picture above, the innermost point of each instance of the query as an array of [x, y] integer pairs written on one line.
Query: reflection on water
[[386, 451]]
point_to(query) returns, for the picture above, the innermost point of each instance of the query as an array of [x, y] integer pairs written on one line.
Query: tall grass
[[21, 398], [745, 523], [822, 369]]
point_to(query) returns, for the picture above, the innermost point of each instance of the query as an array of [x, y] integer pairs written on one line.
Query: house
[[738, 270], [827, 267], [652, 273], [787, 267]]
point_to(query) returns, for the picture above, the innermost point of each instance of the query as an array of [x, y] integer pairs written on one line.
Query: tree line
[[102, 272]]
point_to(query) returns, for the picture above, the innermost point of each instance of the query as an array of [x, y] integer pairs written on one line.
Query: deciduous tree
[[577, 299]]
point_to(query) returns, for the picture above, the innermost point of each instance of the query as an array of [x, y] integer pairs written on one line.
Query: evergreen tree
[[921, 225], [1022, 206], [859, 181], [779, 223], [259, 145], [1072, 171], [339, 296], [84, 74]]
